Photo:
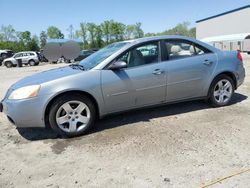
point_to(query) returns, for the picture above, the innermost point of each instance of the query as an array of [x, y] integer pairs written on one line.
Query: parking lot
[[180, 145]]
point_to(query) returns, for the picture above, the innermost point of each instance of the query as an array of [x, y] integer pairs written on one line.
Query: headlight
[[25, 92]]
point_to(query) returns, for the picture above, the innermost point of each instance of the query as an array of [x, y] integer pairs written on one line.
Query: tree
[[7, 33], [24, 37], [129, 32], [192, 32], [43, 39], [54, 33], [33, 44], [105, 26], [117, 31], [138, 31], [179, 29], [92, 32], [82, 33], [99, 41], [150, 34], [71, 31]]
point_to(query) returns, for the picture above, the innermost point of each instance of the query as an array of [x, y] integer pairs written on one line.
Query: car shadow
[[125, 118]]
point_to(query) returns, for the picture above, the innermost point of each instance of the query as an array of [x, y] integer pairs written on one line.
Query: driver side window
[[141, 55]]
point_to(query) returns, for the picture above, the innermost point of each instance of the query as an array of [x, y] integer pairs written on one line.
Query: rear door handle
[[157, 72], [207, 62]]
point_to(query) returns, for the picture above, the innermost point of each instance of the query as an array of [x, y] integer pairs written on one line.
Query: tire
[[8, 64], [32, 63], [4, 56], [221, 91], [36, 63], [72, 122]]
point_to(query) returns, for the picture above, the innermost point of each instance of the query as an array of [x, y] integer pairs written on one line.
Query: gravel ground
[[180, 145]]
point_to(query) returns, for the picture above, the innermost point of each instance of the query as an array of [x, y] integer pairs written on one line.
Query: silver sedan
[[124, 76]]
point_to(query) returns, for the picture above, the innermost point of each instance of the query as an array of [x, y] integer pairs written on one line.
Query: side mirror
[[118, 65]]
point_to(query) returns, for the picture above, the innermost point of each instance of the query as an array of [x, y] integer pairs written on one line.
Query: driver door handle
[[208, 62], [158, 72]]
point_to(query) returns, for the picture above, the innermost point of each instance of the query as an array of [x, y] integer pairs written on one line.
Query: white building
[[228, 30]]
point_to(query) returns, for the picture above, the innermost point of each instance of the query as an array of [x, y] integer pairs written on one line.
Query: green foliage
[[91, 27], [91, 34], [180, 29], [105, 26], [138, 31], [8, 33], [54, 33], [82, 33], [25, 37], [43, 39], [33, 44], [109, 31]]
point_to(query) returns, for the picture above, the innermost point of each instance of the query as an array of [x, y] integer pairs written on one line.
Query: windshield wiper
[[77, 66]]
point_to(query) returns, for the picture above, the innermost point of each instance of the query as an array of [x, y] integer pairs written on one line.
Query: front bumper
[[24, 113]]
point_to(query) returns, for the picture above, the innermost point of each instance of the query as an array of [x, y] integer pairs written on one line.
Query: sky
[[155, 15]]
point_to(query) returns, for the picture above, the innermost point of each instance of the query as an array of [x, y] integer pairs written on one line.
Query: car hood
[[9, 59], [46, 76]]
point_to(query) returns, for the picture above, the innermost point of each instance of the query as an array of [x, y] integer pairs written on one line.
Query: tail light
[[239, 57]]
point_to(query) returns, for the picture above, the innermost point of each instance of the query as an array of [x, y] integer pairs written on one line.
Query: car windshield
[[96, 58]]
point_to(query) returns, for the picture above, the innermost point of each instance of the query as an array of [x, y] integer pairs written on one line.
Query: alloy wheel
[[73, 116], [223, 91]]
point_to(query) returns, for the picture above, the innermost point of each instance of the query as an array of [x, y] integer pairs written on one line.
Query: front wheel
[[8, 64], [72, 115], [221, 91]]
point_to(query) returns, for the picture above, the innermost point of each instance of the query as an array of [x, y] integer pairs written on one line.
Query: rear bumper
[[240, 76]]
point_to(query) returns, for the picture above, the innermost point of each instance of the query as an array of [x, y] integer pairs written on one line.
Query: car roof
[[165, 37], [5, 50], [162, 37], [27, 52]]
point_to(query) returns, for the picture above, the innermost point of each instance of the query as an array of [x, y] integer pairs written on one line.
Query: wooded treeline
[[90, 34]]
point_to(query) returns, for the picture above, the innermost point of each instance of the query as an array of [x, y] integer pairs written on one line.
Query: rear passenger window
[[182, 49]]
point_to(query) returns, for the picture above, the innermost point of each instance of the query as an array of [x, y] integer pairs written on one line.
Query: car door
[[25, 58], [189, 67], [19, 57], [142, 83]]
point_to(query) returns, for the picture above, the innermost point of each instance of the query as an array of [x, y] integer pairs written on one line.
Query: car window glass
[[183, 49], [18, 55], [97, 57], [178, 50], [199, 51], [141, 55]]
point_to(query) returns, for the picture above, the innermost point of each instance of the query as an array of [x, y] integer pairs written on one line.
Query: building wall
[[232, 23]]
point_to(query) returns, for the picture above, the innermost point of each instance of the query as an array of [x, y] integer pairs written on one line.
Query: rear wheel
[[72, 115], [8, 64], [221, 91]]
